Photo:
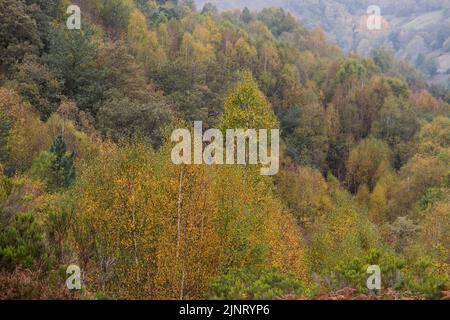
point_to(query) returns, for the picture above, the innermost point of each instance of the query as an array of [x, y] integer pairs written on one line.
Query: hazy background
[[417, 30]]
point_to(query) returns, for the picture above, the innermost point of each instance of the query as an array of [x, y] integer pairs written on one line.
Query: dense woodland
[[86, 176], [415, 30]]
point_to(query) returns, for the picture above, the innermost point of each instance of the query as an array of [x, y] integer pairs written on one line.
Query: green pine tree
[[63, 164]]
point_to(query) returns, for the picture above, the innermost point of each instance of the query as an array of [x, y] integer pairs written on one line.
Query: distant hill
[[416, 30]]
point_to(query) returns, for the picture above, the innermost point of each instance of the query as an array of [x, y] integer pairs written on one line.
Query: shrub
[[245, 284], [24, 284], [22, 243], [426, 277], [354, 273]]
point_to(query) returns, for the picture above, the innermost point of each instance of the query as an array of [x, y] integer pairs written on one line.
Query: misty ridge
[[415, 30]]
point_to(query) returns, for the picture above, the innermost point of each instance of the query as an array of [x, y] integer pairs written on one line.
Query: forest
[[86, 176], [415, 30]]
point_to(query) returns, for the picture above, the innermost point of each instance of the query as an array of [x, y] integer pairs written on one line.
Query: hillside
[[417, 31], [102, 195]]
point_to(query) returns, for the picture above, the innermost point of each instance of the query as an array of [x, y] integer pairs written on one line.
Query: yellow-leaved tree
[[116, 221]]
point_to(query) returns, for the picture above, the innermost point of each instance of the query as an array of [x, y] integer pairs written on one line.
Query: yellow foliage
[[305, 192], [163, 231], [143, 42], [28, 136]]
